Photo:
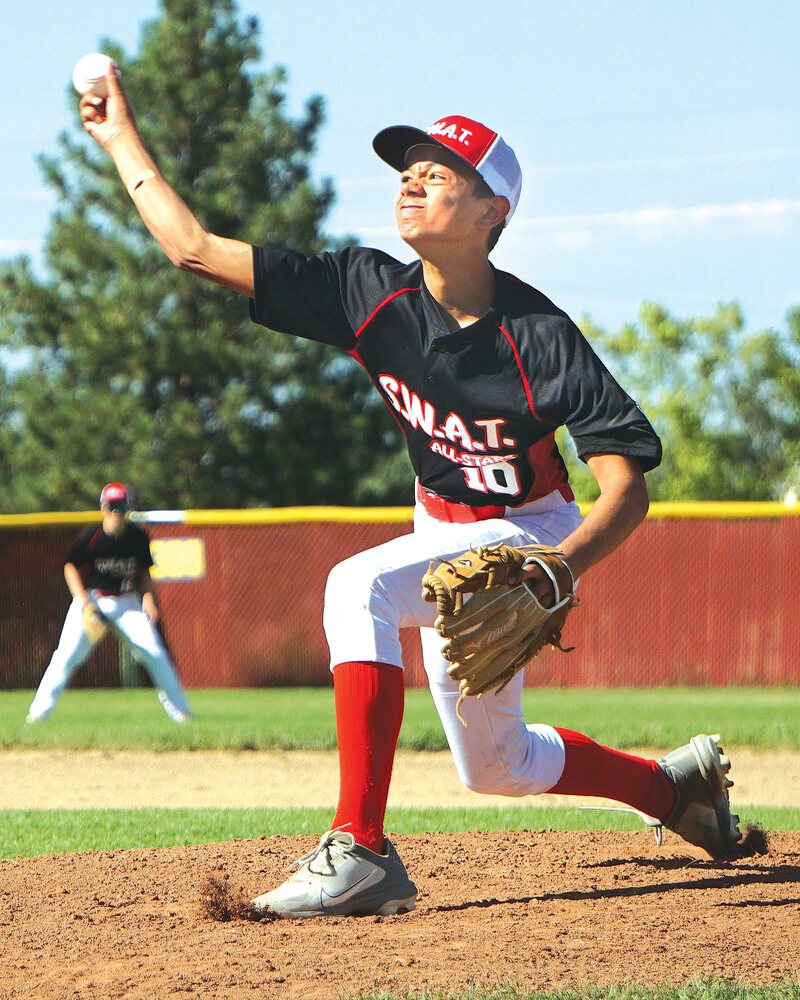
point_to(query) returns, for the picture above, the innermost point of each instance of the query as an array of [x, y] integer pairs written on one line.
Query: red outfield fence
[[701, 594]]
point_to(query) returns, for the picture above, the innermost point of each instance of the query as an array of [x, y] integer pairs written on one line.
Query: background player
[[108, 566], [478, 369]]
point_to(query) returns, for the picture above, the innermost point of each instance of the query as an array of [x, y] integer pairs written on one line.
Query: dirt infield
[[531, 908], [537, 909], [56, 779]]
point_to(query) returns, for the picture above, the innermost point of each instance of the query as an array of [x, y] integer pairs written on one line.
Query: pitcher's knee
[[353, 586], [528, 762], [361, 621], [492, 778]]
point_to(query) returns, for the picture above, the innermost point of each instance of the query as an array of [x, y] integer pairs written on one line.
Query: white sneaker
[[174, 713], [31, 720], [342, 878]]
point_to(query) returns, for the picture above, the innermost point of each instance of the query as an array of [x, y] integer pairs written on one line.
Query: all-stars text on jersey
[[420, 413]]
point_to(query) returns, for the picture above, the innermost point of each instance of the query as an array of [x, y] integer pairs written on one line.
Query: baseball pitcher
[[478, 369]]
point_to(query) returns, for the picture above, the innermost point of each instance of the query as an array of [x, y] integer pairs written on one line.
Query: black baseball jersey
[[111, 563], [479, 407]]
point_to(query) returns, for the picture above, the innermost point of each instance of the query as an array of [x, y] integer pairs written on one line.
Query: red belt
[[108, 593], [452, 511]]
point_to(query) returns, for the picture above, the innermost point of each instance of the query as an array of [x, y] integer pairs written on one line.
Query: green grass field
[[699, 989], [288, 719], [302, 718], [32, 832]]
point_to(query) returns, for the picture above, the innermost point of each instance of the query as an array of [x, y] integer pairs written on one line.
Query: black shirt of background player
[[111, 563], [478, 407]]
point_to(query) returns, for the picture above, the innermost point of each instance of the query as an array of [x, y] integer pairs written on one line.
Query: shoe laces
[[336, 840], [654, 824]]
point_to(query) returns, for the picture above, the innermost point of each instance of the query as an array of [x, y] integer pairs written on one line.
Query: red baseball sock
[[369, 700], [592, 769]]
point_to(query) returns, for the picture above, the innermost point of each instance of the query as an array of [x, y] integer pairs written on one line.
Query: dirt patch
[[538, 909], [93, 780], [531, 908]]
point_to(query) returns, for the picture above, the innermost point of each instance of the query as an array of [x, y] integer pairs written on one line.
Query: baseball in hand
[[89, 74]]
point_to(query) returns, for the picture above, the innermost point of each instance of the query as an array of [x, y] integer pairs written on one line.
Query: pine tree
[[142, 373]]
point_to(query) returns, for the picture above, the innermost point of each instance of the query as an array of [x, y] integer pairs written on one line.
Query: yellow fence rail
[[372, 515]]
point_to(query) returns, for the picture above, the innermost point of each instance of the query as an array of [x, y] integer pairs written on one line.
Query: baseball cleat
[[702, 814], [174, 713], [342, 878]]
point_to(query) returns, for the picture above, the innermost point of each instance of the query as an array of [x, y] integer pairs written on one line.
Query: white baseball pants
[[127, 619], [372, 595]]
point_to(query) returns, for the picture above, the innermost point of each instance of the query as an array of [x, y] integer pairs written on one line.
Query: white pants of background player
[[370, 596], [127, 619]]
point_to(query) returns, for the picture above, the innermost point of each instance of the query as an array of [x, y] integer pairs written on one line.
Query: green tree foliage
[[140, 372], [726, 403]]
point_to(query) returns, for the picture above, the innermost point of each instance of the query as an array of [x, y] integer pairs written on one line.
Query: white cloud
[[384, 181], [665, 162], [581, 230], [773, 216], [11, 248], [660, 215]]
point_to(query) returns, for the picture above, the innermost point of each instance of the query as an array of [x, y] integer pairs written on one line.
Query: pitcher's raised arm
[[110, 122]]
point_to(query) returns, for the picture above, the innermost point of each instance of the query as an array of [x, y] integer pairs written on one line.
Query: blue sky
[[660, 143]]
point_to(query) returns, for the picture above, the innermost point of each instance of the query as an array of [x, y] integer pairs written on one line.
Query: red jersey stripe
[[525, 383], [377, 309], [353, 352], [550, 471]]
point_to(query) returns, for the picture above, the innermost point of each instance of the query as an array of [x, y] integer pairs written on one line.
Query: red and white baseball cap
[[116, 495], [484, 150]]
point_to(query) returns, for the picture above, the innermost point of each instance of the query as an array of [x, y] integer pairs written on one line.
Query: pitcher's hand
[[105, 117]]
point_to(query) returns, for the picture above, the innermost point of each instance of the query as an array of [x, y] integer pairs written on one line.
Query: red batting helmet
[[116, 495]]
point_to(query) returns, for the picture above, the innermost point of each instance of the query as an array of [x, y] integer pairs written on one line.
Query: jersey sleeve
[[144, 556], [302, 295], [78, 552], [573, 387]]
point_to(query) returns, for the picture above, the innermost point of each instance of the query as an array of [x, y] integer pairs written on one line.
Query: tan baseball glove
[[95, 625], [493, 628]]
